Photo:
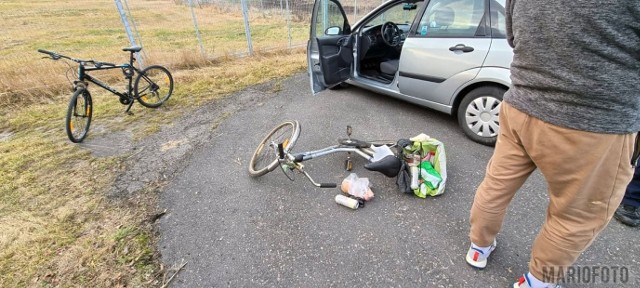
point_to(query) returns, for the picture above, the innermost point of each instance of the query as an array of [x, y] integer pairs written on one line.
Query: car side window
[[331, 20], [498, 18], [398, 14], [446, 18]]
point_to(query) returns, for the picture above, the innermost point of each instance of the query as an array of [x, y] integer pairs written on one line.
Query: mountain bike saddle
[[389, 166]]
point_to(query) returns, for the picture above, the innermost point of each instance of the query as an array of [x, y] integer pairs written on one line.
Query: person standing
[[572, 111], [628, 212]]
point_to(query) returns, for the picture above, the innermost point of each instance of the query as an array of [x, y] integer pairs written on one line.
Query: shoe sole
[[626, 220], [481, 266]]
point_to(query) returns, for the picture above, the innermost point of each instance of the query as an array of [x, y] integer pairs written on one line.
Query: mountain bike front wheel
[[79, 115], [153, 86], [265, 158]]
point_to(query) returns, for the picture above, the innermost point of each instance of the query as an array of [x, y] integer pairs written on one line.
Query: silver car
[[448, 55]]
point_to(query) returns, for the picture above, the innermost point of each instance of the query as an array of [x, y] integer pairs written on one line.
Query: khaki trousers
[[586, 175]]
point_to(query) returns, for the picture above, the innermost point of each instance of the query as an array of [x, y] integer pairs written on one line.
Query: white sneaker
[[525, 282], [477, 258]]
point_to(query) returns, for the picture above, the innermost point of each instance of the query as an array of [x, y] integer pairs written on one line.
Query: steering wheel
[[391, 34]]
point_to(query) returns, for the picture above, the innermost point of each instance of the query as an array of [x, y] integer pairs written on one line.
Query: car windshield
[[401, 13]]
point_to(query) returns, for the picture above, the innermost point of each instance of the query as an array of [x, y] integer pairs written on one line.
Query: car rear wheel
[[478, 114]]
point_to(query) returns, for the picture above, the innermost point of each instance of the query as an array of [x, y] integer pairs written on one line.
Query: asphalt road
[[236, 231]]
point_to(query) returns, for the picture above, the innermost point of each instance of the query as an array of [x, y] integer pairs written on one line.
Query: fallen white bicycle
[[275, 150]]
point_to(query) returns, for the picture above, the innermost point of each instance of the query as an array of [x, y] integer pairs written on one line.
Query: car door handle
[[461, 47], [344, 41]]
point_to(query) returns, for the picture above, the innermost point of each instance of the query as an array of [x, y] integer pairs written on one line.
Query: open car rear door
[[330, 47]]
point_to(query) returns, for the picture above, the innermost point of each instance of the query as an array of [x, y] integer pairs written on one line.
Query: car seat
[[442, 18], [389, 67]]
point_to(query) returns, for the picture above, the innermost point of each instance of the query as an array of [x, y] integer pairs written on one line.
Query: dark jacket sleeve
[[509, 15]]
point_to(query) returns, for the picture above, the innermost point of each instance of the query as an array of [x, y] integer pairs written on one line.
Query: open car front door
[[330, 47]]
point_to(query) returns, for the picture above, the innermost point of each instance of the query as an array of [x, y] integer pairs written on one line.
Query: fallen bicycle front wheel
[[79, 115], [153, 86], [265, 158]]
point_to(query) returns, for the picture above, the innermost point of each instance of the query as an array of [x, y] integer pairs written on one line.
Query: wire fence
[[238, 27], [174, 33]]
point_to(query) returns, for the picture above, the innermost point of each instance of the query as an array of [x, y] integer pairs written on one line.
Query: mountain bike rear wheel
[[79, 115], [265, 158], [153, 86]]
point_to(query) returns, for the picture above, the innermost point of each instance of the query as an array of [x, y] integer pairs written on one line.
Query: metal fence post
[[195, 25], [288, 22], [325, 16], [127, 28], [247, 31], [281, 8], [355, 10]]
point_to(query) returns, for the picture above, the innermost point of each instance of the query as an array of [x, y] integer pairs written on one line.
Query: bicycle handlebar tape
[[280, 151], [46, 52], [328, 185]]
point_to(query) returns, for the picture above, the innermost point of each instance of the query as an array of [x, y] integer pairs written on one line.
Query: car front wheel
[[478, 114]]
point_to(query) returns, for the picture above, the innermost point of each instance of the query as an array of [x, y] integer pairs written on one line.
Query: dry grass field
[[93, 30], [58, 227]]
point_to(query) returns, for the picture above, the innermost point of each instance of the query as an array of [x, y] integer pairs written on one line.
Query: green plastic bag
[[432, 161], [429, 176]]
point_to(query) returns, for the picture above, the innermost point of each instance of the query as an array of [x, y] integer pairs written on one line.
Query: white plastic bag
[[380, 152], [358, 187]]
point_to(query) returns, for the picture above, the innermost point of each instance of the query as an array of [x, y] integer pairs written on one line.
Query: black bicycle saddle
[[389, 166], [132, 49]]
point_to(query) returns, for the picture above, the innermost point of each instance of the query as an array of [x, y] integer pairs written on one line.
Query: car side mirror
[[335, 30]]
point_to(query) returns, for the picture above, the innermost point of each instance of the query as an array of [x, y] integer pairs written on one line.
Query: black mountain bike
[[151, 86]]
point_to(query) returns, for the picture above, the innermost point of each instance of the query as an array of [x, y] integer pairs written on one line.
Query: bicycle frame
[[293, 161], [84, 76], [304, 156]]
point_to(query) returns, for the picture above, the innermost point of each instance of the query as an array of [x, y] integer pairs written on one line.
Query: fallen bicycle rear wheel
[[265, 158], [79, 115]]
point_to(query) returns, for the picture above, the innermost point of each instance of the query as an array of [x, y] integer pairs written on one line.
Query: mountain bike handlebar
[[57, 56]]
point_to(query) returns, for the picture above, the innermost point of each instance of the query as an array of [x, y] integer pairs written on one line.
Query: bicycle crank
[[125, 101]]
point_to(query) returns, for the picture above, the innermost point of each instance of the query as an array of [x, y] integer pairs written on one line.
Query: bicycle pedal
[[348, 165]]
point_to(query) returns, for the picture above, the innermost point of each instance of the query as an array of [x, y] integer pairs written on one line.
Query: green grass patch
[[59, 229]]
